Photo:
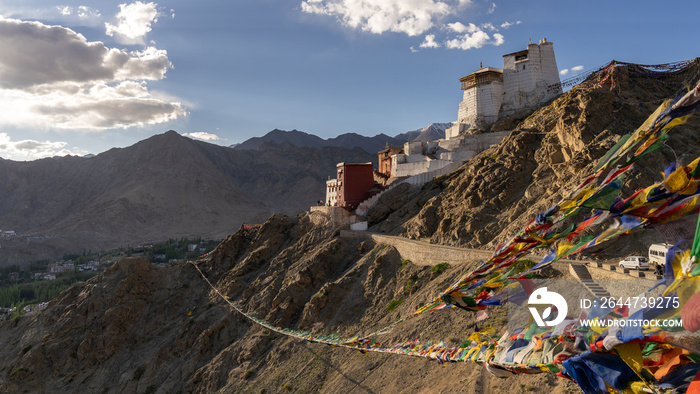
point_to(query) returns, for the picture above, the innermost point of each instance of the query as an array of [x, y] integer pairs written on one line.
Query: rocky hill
[[165, 186], [143, 328]]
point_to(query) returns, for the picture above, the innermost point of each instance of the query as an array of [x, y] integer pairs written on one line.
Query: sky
[[80, 77]]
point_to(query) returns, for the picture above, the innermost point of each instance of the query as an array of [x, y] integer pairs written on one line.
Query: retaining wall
[[421, 253]]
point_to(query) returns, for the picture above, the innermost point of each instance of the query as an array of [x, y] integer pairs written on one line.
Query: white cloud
[[36, 54], [459, 27], [61, 14], [498, 39], [64, 10], [411, 17], [473, 38], [85, 12], [133, 22], [32, 150], [429, 42], [51, 76], [567, 70], [200, 135], [492, 9], [506, 25]]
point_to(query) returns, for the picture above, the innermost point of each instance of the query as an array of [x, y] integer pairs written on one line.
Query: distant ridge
[[349, 140], [432, 132]]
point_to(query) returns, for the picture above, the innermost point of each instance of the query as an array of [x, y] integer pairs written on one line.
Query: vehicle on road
[[635, 262], [657, 253]]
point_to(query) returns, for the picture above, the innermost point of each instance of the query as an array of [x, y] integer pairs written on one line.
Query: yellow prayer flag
[[677, 180]]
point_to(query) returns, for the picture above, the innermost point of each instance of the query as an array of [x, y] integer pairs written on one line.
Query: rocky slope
[[142, 328], [494, 195]]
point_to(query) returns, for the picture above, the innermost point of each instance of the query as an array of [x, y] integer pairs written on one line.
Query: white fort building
[[528, 79]]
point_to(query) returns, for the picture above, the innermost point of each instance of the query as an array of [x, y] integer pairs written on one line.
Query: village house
[[5, 313], [62, 266], [35, 307]]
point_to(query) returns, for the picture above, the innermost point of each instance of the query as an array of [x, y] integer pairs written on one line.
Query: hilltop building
[[385, 160], [354, 184], [528, 79]]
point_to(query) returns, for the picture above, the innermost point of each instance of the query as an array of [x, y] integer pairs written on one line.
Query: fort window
[[521, 56]]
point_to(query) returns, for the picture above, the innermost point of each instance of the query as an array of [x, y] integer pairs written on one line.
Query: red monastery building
[[354, 184]]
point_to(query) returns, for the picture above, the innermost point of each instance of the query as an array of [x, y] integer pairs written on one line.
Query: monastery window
[[521, 57]]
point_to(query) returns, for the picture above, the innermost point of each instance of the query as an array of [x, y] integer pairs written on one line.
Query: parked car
[[636, 262]]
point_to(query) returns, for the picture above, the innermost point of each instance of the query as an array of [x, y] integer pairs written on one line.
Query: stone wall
[[335, 216], [422, 253], [419, 167]]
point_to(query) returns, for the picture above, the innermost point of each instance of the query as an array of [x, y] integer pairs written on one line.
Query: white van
[[657, 253]]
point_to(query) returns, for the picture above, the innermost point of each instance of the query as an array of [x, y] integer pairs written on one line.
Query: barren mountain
[[162, 187], [143, 328]]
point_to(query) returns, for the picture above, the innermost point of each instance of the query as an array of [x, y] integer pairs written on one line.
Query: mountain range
[[373, 144], [165, 186], [169, 186]]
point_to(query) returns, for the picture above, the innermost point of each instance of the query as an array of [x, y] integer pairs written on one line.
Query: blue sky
[[82, 77]]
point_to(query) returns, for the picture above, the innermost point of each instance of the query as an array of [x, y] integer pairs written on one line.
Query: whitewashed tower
[[528, 79], [481, 101]]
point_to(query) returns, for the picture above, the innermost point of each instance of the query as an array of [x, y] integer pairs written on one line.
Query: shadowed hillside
[[165, 186]]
